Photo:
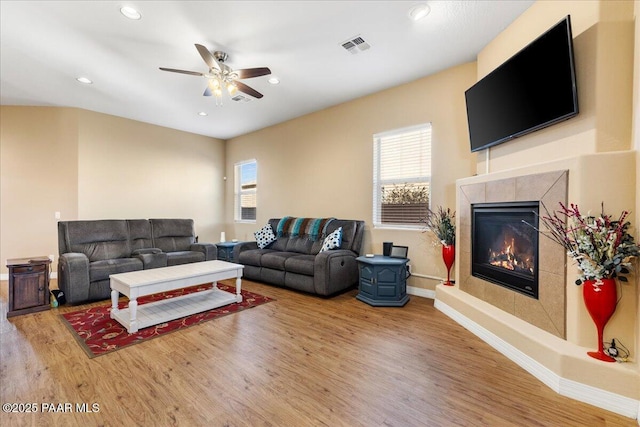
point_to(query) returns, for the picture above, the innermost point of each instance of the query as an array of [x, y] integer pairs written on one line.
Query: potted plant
[[442, 223], [603, 250]]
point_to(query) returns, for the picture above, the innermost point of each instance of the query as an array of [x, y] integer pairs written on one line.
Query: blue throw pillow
[[332, 241], [264, 236]]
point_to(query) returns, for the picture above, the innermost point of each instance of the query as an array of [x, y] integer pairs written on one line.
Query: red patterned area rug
[[98, 334]]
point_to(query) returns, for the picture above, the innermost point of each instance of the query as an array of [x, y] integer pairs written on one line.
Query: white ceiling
[[45, 45]]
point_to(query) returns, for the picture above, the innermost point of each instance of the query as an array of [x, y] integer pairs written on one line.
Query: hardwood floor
[[298, 361]]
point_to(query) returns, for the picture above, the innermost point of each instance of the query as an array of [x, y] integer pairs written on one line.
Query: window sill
[[398, 227]]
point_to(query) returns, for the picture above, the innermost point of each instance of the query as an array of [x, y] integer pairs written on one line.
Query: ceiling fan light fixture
[[130, 13], [214, 84], [221, 77], [419, 11]]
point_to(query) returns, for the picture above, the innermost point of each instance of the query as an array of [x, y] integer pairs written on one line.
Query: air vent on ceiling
[[241, 98], [355, 44]]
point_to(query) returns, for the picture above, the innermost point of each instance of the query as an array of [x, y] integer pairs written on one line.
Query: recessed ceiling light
[[419, 11], [274, 80], [202, 113], [130, 12], [84, 80]]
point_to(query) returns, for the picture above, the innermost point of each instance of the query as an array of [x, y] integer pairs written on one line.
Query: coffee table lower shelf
[[162, 311], [135, 284]]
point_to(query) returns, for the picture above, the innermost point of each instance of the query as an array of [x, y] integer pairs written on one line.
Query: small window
[[401, 177], [246, 184]]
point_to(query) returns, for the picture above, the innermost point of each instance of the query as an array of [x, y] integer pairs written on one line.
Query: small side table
[[28, 285], [383, 281], [225, 250]]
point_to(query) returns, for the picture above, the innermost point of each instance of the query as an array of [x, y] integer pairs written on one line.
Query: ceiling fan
[[220, 75]]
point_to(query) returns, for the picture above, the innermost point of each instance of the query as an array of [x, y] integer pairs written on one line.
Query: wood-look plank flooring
[[298, 361]]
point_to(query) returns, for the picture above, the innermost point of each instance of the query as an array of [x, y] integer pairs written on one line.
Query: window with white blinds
[[246, 185], [401, 176]]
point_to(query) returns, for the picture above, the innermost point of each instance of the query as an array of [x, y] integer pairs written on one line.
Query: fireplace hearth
[[504, 249]]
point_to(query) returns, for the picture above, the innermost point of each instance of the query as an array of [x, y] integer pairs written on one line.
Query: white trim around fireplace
[[585, 393]]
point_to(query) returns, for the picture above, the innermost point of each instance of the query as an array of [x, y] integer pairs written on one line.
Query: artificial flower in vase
[[603, 250], [442, 224]]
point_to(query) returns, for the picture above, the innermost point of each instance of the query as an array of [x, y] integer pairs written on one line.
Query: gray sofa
[[296, 262], [89, 251]]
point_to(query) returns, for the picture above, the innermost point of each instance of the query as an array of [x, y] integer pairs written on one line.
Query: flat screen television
[[534, 89]]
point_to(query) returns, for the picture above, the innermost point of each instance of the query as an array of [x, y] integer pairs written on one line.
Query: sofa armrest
[[241, 247], [335, 271], [73, 276], [209, 250], [146, 251], [151, 259]]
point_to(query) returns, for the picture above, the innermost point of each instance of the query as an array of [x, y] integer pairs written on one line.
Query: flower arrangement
[[442, 224], [601, 246]]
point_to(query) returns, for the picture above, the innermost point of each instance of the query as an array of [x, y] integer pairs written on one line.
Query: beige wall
[[322, 164], [38, 176], [88, 165]]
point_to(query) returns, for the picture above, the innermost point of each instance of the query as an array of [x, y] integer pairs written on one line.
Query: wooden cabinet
[[28, 285], [383, 281]]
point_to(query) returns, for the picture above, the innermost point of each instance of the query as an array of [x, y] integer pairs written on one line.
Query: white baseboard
[[585, 393], [421, 292]]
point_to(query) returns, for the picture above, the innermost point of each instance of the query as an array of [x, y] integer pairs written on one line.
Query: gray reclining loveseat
[[90, 251], [295, 260]]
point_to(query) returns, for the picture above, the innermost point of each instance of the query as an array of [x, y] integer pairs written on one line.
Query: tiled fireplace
[[505, 262]]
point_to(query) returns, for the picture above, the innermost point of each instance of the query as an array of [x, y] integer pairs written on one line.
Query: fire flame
[[506, 258]]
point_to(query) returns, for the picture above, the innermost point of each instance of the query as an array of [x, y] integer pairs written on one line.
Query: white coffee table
[[146, 282]]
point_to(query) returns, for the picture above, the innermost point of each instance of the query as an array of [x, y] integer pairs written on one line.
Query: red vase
[[448, 255], [600, 298]]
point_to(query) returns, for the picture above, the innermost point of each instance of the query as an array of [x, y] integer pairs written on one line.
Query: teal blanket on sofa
[[312, 227]]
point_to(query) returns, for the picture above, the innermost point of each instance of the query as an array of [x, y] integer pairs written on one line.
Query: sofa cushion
[[99, 240], [253, 256], [264, 236], [280, 244], [140, 234], [299, 244], [332, 241], [302, 264], [315, 248], [172, 235], [100, 270], [184, 257], [276, 260]]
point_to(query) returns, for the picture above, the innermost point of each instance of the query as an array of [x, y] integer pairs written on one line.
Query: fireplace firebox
[[504, 249]]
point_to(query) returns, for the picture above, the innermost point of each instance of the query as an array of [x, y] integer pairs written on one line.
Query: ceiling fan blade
[[191, 73], [248, 73], [207, 92], [208, 58], [248, 90]]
